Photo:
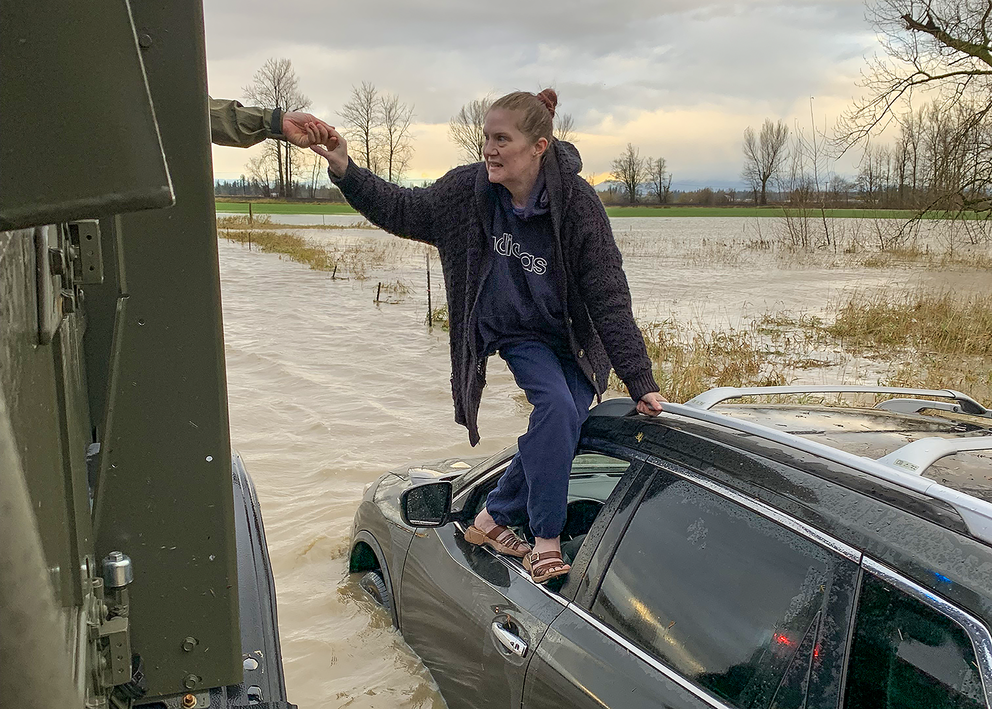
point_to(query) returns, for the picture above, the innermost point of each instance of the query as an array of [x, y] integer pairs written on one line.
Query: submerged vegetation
[[345, 259], [295, 248], [921, 339], [265, 220], [937, 323]]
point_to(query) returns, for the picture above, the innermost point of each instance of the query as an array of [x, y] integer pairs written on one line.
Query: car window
[[731, 600], [480, 469], [591, 481], [908, 656], [593, 477]]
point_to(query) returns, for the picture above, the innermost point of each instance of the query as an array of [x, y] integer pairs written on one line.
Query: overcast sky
[[679, 79]]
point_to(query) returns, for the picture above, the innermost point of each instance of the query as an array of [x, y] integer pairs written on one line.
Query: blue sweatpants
[[535, 485]]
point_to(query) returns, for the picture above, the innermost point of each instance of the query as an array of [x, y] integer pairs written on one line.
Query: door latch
[[508, 639]]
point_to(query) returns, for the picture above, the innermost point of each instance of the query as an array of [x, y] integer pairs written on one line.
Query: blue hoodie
[[520, 300]]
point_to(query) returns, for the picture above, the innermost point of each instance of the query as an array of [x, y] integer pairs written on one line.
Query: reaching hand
[[335, 152], [650, 404], [303, 129]]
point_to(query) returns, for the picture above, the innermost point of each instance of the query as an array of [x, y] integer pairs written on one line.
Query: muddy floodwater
[[329, 389]]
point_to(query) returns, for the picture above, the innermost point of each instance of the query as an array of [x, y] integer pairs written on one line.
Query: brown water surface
[[329, 389]]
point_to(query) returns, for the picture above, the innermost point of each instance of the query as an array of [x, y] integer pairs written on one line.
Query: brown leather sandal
[[500, 538], [546, 566]]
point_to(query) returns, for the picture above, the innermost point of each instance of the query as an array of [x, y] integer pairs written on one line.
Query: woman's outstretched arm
[[403, 211]]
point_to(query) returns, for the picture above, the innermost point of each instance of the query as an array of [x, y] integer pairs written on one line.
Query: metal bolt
[[189, 701], [191, 681], [189, 643], [117, 571], [144, 40]]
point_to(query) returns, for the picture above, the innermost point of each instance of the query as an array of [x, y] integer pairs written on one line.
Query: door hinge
[[68, 256], [86, 252]]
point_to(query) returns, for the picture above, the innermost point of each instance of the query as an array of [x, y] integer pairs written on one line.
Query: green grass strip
[[284, 208], [281, 207]]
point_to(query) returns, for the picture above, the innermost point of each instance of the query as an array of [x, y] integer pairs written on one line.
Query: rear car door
[[709, 599], [913, 649], [475, 617]]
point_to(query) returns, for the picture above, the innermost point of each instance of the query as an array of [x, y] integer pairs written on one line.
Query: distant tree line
[[940, 158], [252, 187]]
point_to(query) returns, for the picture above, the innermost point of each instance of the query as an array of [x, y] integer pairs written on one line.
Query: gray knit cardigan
[[455, 214]]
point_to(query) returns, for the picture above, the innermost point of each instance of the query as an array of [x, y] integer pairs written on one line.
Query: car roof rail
[[917, 456], [977, 514], [964, 403]]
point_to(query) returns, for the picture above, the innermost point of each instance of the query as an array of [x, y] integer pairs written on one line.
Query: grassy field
[[281, 207], [682, 211], [274, 207]]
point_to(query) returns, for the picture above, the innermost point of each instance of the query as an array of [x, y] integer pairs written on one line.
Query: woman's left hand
[[650, 404]]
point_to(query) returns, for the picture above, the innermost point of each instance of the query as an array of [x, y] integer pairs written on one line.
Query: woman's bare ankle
[[484, 521], [542, 545]]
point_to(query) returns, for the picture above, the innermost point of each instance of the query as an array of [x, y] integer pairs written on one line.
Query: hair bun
[[549, 97]]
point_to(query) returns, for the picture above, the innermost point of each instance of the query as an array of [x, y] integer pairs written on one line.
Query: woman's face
[[509, 155]]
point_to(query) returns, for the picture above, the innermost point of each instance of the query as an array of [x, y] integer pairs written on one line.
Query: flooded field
[[328, 389]]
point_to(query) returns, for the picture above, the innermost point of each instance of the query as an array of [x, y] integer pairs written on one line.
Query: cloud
[[678, 78]]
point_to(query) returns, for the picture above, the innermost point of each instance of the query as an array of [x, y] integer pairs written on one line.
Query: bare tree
[[465, 129], [938, 45], [276, 85], [942, 49], [260, 168], [659, 179], [378, 126], [397, 151], [630, 170], [565, 127], [316, 170], [764, 156], [362, 116]]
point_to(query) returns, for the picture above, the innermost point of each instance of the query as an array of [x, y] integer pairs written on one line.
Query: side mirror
[[426, 505]]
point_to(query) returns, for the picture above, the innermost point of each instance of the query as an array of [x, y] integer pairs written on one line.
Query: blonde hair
[[538, 112]]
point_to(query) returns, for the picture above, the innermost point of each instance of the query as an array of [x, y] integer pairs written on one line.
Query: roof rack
[[964, 403], [903, 467], [893, 468]]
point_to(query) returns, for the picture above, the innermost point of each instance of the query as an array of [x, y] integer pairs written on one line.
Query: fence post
[[430, 308]]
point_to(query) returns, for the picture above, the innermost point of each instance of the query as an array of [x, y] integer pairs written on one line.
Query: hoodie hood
[[569, 160]]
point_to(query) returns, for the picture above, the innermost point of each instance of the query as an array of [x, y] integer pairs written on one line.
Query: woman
[[531, 272]]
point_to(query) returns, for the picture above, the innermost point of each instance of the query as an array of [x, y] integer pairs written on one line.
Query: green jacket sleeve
[[235, 125]]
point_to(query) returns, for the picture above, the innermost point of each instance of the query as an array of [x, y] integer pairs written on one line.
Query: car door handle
[[509, 640]]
